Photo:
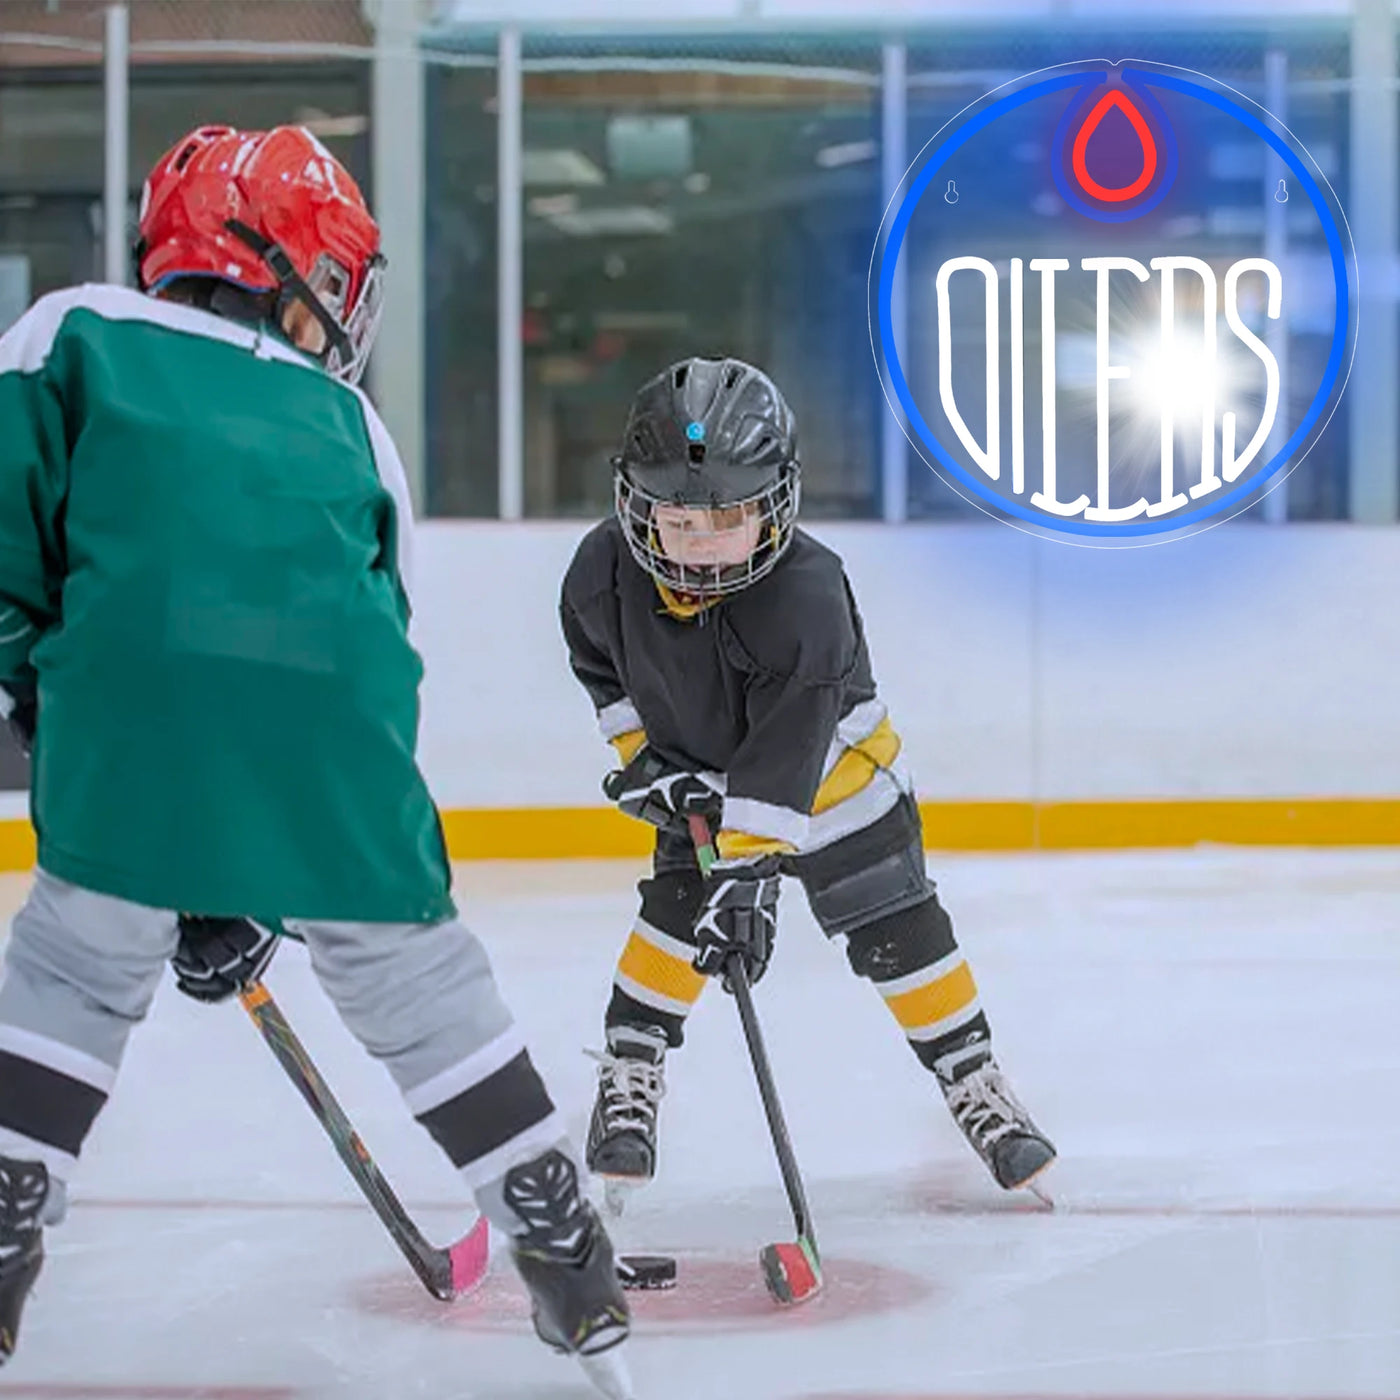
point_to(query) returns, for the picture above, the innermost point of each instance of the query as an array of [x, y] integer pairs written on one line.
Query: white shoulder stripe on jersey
[[391, 476], [26, 345]]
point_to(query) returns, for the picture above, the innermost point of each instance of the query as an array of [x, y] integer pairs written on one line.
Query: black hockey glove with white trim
[[739, 915], [217, 957], [655, 790]]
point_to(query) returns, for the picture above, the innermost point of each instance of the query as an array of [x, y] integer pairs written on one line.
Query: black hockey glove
[[23, 699], [739, 915], [657, 791], [218, 957]]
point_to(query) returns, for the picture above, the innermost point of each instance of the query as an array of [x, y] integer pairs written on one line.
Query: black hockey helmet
[[716, 434]]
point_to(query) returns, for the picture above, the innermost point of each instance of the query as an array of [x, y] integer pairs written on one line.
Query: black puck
[[643, 1271]]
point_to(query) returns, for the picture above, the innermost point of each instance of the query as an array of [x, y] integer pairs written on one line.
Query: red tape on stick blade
[[791, 1272]]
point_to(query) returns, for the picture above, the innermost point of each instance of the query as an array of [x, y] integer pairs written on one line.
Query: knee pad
[[671, 902], [901, 943], [870, 874]]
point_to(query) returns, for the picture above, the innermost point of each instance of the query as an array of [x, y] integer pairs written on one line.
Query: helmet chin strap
[[293, 285]]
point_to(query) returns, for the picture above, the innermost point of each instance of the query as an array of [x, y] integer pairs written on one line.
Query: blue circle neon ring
[[1338, 243]]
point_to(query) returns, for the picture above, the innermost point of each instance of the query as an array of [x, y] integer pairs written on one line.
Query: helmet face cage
[[777, 509], [330, 282]]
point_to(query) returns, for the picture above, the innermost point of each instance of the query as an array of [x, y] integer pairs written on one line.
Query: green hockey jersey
[[203, 562]]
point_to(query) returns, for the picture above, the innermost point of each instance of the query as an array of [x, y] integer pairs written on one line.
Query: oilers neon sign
[[1094, 349]]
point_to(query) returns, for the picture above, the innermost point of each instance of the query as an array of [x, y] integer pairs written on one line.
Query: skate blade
[[616, 1190], [1035, 1184], [607, 1372]]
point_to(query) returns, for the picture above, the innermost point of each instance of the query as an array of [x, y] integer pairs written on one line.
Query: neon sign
[[1095, 349]]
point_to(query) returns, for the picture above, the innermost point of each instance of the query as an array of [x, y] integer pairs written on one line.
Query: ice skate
[[622, 1131], [566, 1261], [24, 1191], [994, 1121]]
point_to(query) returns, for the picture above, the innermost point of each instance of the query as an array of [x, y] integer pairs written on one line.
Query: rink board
[[600, 833]]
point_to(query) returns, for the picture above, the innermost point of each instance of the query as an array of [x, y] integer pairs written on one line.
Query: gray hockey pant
[[81, 968]]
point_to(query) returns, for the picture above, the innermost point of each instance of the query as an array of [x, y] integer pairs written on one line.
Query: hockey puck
[[641, 1271]]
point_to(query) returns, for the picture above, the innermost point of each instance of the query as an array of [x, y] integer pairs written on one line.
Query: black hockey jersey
[[755, 687]]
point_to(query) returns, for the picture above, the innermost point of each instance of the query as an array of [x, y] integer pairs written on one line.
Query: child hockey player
[[204, 539], [723, 652]]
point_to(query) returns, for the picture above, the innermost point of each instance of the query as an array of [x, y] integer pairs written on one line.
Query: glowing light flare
[[1178, 385]]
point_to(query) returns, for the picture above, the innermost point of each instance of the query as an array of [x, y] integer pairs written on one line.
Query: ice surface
[[1212, 1038]]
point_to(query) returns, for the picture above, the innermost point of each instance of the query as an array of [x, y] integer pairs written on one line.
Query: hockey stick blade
[[468, 1258], [793, 1272]]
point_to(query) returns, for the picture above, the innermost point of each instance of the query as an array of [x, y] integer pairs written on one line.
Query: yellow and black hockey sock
[[654, 984], [914, 962]]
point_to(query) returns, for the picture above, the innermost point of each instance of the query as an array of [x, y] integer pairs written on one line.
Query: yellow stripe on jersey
[[853, 771], [628, 745], [742, 845], [653, 969], [935, 1001]]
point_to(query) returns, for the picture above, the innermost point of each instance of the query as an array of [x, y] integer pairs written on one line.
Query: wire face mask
[[330, 282], [708, 551]]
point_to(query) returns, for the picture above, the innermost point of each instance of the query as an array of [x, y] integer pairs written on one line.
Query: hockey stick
[[792, 1271], [445, 1273]]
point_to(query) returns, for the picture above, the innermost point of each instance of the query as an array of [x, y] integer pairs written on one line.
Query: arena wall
[[1242, 685]]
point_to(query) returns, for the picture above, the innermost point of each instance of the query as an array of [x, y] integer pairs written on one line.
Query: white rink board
[[1246, 662]]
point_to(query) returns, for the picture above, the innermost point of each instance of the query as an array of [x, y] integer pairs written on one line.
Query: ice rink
[[1212, 1038]]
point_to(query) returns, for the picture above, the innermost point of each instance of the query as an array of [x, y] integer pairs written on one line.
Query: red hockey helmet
[[268, 211]]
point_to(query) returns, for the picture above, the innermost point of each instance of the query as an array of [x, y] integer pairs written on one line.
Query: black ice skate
[[565, 1259], [622, 1132], [24, 1191], [993, 1119]]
